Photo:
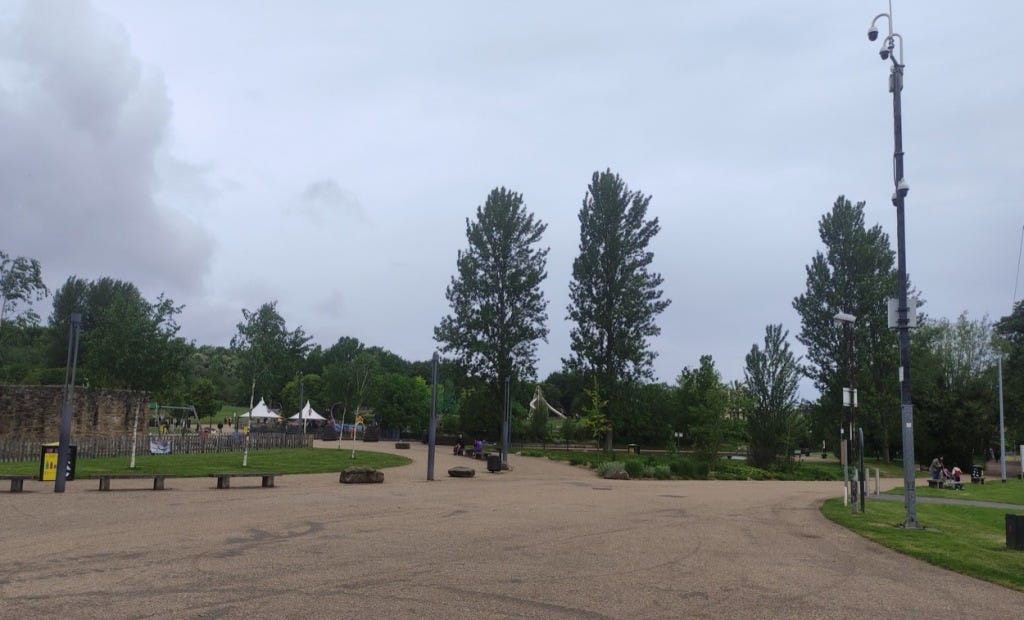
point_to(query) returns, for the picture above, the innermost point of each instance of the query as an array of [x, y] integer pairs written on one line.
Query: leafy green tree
[[347, 383], [133, 344], [268, 352], [126, 341], [594, 418], [498, 308], [955, 399], [854, 274], [566, 391], [614, 296], [302, 389], [703, 400], [219, 365], [772, 376], [203, 396], [401, 402], [21, 282]]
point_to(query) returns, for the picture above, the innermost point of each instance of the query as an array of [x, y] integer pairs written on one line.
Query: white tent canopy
[[259, 411], [307, 413]]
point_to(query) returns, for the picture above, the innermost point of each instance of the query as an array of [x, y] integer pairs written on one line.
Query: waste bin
[[1015, 532], [49, 454], [493, 462]]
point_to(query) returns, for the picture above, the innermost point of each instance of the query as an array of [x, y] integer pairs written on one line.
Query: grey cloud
[[324, 200], [83, 124]]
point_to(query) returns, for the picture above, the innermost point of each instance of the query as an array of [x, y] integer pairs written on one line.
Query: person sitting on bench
[[478, 448], [957, 472]]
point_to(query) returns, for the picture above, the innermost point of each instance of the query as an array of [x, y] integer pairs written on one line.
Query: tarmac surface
[[544, 540]]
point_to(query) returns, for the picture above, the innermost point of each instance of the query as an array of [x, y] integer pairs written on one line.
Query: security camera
[[884, 53], [902, 188], [872, 33]]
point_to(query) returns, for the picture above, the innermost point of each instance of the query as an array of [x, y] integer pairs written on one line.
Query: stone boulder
[[461, 472], [361, 475], [401, 445]]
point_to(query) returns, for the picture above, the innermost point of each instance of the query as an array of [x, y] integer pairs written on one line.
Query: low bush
[[662, 472], [612, 469], [635, 468]]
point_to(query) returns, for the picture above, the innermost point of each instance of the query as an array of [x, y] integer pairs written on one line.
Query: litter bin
[[1015, 532], [633, 449], [49, 454], [493, 462]]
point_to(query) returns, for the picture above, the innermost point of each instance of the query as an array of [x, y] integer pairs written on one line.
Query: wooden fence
[[28, 450]]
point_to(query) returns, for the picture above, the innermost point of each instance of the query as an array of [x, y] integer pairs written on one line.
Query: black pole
[[852, 417], [64, 444], [903, 320], [860, 467], [506, 424], [432, 425]]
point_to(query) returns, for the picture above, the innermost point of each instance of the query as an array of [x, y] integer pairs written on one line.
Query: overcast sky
[[326, 155]]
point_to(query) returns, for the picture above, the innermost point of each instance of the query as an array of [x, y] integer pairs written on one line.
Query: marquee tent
[[259, 411], [307, 413]]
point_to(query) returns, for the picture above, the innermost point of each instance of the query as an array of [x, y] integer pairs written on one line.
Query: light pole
[[887, 52], [847, 321]]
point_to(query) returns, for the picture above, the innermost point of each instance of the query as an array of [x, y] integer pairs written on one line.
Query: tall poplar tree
[[772, 376], [498, 311], [614, 296], [854, 274]]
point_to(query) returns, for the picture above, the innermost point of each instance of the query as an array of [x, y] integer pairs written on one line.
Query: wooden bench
[[224, 479], [158, 479], [17, 481]]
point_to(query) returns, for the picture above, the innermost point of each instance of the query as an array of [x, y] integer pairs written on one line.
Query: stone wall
[[33, 412]]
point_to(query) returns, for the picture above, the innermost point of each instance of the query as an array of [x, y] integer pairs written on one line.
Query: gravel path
[[545, 540]]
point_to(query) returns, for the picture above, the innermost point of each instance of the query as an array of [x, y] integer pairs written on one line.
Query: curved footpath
[[545, 540]]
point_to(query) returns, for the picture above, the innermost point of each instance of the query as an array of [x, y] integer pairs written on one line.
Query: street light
[[887, 52], [846, 321]]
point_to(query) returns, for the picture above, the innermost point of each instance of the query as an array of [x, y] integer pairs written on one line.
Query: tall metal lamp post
[[856, 454], [888, 52]]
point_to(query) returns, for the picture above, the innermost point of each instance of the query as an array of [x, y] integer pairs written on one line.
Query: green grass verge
[[965, 539], [285, 461], [1010, 492]]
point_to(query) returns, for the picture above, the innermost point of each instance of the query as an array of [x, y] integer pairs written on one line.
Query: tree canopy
[[854, 274], [498, 309], [772, 376], [614, 296]]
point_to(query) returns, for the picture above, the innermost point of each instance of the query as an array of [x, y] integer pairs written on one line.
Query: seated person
[[956, 473], [478, 447], [458, 447]]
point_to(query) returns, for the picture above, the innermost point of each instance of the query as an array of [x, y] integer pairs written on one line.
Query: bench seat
[[224, 479], [158, 479], [17, 481]]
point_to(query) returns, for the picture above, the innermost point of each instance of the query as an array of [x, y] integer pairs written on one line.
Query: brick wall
[[33, 411]]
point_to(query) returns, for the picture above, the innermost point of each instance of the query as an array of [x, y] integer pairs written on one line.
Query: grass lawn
[[1010, 492], [226, 411], [285, 461], [965, 539]]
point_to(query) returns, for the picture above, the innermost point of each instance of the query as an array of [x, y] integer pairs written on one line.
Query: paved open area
[[545, 540]]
